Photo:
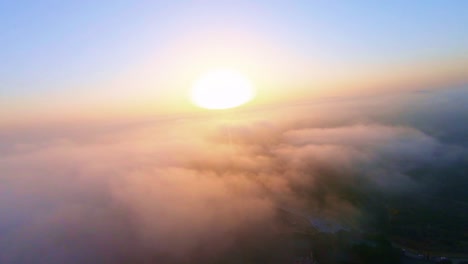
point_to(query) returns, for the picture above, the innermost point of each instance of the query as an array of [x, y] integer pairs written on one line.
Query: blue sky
[[52, 48]]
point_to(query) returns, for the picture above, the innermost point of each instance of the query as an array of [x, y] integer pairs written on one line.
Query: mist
[[207, 188]]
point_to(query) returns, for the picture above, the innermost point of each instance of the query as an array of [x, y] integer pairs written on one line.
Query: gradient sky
[[86, 57]]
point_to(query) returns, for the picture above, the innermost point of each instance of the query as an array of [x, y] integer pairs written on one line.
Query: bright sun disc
[[222, 89]]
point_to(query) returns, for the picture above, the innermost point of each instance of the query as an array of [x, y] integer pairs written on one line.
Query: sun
[[222, 89]]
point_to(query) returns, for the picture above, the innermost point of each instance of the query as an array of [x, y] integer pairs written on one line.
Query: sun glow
[[222, 89]]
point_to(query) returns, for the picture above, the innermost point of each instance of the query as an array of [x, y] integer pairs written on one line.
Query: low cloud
[[196, 190]]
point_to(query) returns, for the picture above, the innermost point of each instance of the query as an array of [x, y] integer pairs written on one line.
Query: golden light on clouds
[[222, 89]]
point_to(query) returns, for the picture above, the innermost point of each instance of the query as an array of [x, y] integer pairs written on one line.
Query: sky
[[118, 58]]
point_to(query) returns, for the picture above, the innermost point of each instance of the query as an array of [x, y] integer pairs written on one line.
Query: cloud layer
[[203, 189]]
